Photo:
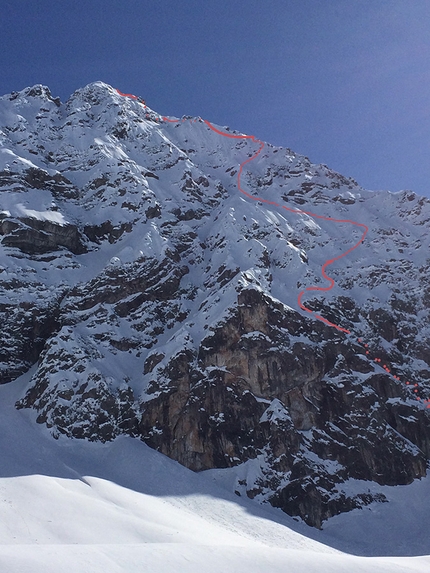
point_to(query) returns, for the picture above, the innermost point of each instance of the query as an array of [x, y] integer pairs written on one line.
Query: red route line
[[364, 228], [127, 95], [298, 212]]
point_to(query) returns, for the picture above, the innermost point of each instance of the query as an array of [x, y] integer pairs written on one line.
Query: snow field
[[74, 506]]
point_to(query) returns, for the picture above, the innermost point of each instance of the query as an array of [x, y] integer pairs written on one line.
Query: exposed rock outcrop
[[154, 299]]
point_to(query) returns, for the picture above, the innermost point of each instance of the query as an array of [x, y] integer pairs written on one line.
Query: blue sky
[[345, 82]]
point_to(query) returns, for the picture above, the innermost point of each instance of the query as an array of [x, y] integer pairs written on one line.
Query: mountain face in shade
[[155, 294]]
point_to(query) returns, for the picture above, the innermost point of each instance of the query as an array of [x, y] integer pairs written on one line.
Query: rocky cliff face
[[159, 301]]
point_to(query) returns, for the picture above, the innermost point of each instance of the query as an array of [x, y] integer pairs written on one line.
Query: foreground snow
[[186, 558], [72, 506]]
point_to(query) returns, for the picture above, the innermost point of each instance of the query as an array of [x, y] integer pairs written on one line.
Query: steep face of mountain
[[157, 300]]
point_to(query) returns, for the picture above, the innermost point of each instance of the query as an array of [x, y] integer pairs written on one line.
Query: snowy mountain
[[227, 302]]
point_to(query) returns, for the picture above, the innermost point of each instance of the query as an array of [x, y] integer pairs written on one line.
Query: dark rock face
[[88, 410], [32, 236], [37, 236], [242, 395], [153, 300], [70, 393], [25, 329]]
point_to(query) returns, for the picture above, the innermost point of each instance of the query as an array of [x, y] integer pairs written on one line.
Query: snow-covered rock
[[152, 267]]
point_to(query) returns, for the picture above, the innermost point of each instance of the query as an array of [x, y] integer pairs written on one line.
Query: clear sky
[[345, 82]]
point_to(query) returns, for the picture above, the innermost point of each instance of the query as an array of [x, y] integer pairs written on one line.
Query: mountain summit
[[213, 296]]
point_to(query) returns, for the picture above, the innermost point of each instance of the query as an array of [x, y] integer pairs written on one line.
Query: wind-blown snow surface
[[75, 506]]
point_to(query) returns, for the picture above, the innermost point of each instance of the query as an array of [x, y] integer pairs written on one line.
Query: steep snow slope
[[160, 302]]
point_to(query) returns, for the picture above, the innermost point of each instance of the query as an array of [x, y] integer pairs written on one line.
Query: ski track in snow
[[378, 362]]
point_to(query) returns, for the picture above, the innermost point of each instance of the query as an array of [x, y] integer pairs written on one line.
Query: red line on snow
[[298, 212], [127, 95], [363, 227]]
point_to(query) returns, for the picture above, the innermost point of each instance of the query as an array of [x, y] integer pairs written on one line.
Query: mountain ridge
[[160, 303]]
